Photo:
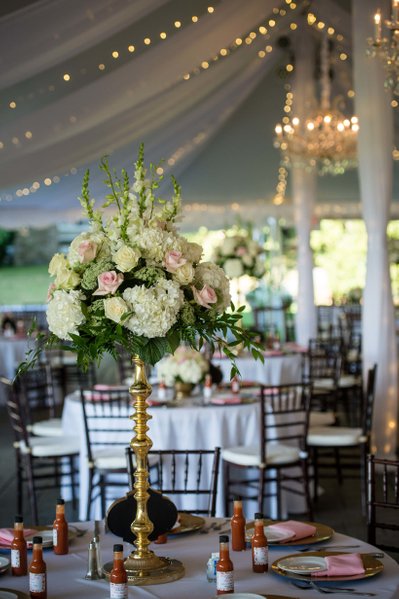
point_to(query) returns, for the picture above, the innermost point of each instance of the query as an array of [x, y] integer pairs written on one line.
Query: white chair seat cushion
[[114, 458], [349, 380], [321, 418], [334, 436], [47, 428], [324, 384], [52, 446], [277, 454]]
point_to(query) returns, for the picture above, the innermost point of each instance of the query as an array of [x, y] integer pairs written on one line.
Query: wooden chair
[[284, 415], [330, 441], [107, 432], [41, 461], [65, 372], [35, 388], [181, 473], [382, 500]]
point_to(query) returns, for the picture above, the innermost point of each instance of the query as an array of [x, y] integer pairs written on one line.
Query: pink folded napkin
[[100, 393], [110, 387], [7, 535], [269, 353], [348, 564], [299, 530], [231, 399]]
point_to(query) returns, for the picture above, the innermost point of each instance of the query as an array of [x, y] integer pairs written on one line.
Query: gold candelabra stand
[[143, 567]]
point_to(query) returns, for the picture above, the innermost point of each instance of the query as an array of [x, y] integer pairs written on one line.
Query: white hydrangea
[[207, 273], [190, 250], [155, 309], [64, 313], [154, 243], [233, 267]]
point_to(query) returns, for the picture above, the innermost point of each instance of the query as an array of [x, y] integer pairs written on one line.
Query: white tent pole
[[375, 175], [304, 189]]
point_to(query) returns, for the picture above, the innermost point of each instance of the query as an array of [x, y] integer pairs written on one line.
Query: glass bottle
[[224, 568], [260, 552], [60, 530], [238, 526], [235, 385], [19, 558], [37, 571], [118, 576]]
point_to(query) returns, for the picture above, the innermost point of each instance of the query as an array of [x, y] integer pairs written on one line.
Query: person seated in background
[[8, 326]]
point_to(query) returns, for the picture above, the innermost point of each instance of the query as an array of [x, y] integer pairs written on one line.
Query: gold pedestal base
[[153, 571]]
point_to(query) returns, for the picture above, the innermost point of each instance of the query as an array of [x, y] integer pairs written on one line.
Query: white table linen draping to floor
[[277, 369], [65, 577], [186, 427]]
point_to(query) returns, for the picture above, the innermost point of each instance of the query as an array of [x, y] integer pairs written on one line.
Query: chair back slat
[[382, 501], [179, 473]]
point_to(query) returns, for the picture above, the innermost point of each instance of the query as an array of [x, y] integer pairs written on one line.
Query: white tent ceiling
[[214, 129]]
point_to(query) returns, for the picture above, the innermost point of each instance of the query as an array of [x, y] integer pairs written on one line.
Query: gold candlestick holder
[[143, 567]]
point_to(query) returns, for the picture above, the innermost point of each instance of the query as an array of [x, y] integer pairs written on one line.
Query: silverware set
[[307, 585]]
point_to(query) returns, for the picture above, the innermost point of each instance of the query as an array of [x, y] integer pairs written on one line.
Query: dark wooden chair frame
[[289, 405], [389, 501], [179, 461]]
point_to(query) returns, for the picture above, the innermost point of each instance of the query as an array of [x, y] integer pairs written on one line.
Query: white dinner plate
[[303, 564], [47, 536], [272, 535], [4, 563], [7, 595]]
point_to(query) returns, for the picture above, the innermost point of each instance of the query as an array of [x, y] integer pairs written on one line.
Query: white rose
[[247, 260], [184, 274], [67, 279], [233, 268], [57, 263], [228, 246], [64, 313], [126, 258], [115, 308]]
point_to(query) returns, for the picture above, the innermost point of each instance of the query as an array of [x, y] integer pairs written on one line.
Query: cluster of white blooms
[[155, 309], [240, 255], [186, 366], [64, 313]]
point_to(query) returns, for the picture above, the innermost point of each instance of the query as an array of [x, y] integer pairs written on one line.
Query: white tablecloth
[[186, 427], [276, 370], [66, 573]]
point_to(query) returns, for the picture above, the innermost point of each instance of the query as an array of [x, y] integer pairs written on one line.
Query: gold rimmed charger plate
[[372, 566], [188, 523], [323, 533]]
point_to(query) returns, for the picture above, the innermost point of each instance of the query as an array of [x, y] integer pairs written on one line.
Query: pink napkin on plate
[[7, 535], [230, 400], [269, 353], [348, 564], [110, 387], [299, 530]]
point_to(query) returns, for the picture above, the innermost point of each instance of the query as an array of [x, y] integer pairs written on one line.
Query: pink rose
[[87, 251], [50, 291], [108, 282], [205, 297], [174, 260], [241, 251]]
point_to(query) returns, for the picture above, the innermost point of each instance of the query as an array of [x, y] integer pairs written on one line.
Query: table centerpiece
[[132, 280], [183, 370]]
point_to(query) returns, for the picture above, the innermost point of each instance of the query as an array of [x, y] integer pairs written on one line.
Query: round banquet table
[[187, 427], [66, 573], [279, 368]]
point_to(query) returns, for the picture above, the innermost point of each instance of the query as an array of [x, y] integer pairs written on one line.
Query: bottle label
[[118, 591], [37, 582], [15, 558], [55, 537], [224, 581], [260, 556]]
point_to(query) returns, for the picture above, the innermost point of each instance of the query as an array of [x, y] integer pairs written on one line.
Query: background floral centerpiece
[[186, 365], [239, 254], [133, 280]]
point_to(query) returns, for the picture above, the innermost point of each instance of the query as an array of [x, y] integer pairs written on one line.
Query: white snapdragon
[[64, 313]]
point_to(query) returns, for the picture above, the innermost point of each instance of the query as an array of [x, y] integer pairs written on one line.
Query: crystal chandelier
[[387, 48], [324, 141]]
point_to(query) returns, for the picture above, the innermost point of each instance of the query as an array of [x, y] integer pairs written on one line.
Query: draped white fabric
[[304, 186], [375, 172]]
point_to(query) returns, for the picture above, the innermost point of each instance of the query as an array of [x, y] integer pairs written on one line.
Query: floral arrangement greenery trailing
[[186, 365], [133, 280], [239, 254]]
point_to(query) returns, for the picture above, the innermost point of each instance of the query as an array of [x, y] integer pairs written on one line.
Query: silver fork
[[309, 584]]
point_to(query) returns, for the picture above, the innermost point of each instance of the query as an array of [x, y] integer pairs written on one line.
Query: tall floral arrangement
[[133, 280], [239, 254], [185, 366]]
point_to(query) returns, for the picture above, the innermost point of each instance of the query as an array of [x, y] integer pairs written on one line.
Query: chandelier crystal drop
[[387, 48], [326, 140]]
